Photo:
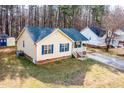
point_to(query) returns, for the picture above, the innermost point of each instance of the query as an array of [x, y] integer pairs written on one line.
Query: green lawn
[[20, 72]]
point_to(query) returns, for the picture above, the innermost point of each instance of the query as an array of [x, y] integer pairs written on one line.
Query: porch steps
[[82, 53], [74, 54]]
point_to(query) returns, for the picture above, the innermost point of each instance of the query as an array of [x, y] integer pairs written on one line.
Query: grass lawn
[[20, 72]]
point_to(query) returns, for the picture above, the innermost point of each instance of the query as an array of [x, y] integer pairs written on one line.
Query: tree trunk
[[44, 16], [107, 48]]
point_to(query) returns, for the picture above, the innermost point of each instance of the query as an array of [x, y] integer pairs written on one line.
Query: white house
[[44, 45], [95, 36], [118, 38]]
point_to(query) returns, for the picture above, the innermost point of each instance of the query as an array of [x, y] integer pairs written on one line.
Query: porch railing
[[79, 49], [79, 52]]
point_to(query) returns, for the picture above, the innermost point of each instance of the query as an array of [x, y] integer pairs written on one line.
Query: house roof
[[74, 34], [98, 31], [3, 36], [38, 33]]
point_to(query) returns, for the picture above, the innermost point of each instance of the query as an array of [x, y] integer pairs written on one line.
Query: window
[[47, 49], [23, 44], [64, 47]]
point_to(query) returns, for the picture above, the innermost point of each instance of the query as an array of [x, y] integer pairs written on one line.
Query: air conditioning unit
[[34, 61]]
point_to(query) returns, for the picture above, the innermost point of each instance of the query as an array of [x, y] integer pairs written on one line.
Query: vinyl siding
[[93, 38], [55, 38], [29, 48]]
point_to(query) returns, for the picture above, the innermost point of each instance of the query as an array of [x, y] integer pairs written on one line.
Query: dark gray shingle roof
[[3, 36], [38, 33], [74, 34], [98, 31]]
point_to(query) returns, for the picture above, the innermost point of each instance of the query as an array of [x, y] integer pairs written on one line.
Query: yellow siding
[[11, 41], [29, 48], [54, 38]]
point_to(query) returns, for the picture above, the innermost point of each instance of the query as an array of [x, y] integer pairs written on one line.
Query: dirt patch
[[78, 80], [118, 51], [7, 49]]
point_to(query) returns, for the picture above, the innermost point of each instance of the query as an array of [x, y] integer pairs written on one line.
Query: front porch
[[79, 50]]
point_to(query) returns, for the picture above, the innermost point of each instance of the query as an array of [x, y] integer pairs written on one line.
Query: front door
[[77, 44]]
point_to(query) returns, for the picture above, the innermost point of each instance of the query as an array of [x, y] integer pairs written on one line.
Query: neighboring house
[[46, 44], [5, 40], [95, 36], [118, 38]]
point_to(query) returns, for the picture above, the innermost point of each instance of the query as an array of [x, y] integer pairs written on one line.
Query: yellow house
[[43, 45]]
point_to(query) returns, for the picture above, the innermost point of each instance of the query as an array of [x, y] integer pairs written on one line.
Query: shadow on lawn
[[69, 72], [9, 66]]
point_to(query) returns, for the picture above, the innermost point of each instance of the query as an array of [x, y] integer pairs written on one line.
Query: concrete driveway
[[109, 60]]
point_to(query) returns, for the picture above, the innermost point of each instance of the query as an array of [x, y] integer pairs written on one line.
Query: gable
[[20, 34], [55, 36], [24, 35], [89, 34]]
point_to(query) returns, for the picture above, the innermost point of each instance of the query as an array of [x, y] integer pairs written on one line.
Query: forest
[[14, 17]]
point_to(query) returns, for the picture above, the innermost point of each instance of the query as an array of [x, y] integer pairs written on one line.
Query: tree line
[[14, 17]]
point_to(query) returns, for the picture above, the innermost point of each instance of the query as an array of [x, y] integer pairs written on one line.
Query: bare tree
[[112, 21]]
